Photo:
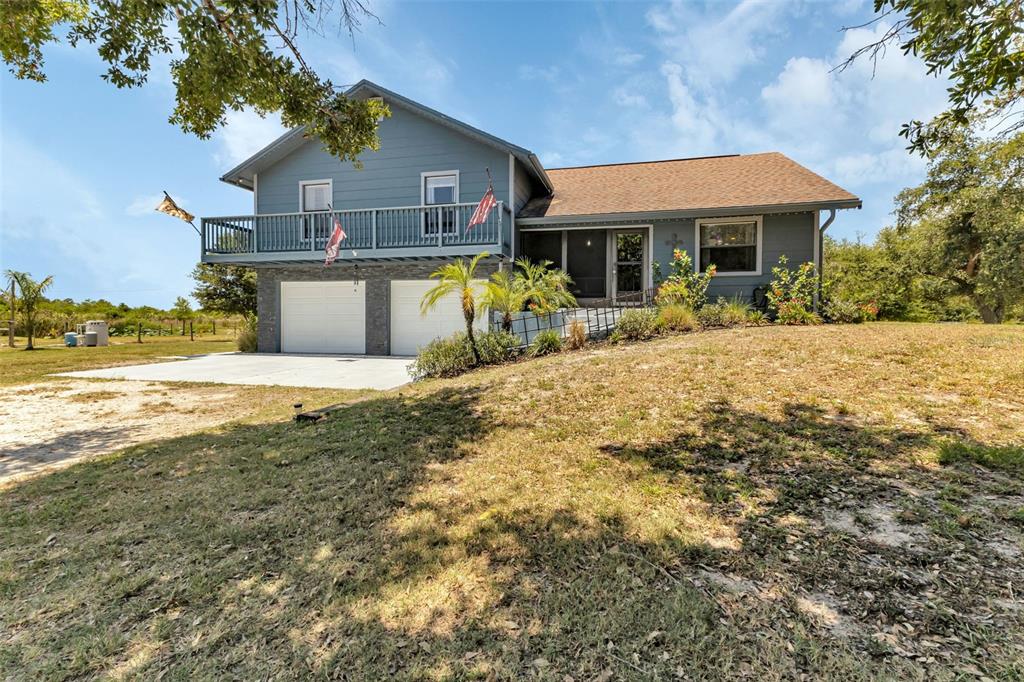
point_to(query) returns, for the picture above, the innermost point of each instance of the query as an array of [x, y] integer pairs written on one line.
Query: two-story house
[[406, 210]]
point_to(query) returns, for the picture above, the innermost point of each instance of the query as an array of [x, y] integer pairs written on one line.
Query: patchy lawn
[[18, 366], [47, 422], [763, 503]]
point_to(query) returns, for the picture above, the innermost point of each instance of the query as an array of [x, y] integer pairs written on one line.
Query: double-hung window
[[315, 197], [440, 192], [732, 245]]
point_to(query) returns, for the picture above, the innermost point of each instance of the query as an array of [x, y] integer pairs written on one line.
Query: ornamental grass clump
[[577, 336], [247, 336], [545, 343], [678, 318]]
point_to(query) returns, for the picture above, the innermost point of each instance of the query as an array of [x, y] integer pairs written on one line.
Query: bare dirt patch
[[48, 426]]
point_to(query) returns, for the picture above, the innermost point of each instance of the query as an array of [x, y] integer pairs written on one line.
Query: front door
[[628, 268]]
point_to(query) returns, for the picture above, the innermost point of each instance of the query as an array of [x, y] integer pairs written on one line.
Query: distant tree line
[[54, 316], [956, 251]]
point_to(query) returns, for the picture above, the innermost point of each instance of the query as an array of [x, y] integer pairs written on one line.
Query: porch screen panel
[[541, 246], [587, 252]]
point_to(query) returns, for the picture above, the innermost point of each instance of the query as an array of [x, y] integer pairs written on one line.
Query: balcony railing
[[371, 230]]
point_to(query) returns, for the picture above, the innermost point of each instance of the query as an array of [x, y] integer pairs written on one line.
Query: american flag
[[483, 209], [334, 243]]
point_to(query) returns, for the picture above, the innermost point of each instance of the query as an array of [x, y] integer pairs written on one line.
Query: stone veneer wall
[[377, 276]]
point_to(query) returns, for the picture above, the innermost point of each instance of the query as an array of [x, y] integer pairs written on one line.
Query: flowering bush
[[683, 286], [791, 293]]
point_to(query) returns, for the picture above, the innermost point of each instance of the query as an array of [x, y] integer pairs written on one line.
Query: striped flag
[[334, 243], [483, 208]]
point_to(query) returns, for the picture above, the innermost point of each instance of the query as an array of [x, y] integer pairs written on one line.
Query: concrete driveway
[[308, 371]]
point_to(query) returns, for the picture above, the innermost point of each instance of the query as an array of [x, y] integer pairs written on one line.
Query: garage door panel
[[411, 330], [323, 317]]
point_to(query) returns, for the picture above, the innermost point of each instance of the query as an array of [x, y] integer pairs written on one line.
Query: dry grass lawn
[[769, 503]]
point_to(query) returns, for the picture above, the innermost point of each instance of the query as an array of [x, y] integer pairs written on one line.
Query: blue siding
[[789, 234], [523, 186], [410, 145]]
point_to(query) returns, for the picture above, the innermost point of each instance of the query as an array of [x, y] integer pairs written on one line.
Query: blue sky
[[82, 164]]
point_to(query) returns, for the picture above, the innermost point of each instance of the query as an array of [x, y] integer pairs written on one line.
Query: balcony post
[[202, 237], [501, 227], [255, 235], [440, 228], [373, 228]]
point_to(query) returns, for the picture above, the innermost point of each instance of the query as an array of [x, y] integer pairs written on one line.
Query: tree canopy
[[229, 289], [225, 55], [965, 223], [978, 44]]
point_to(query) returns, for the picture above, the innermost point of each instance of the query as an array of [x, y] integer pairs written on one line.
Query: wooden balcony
[[372, 234]]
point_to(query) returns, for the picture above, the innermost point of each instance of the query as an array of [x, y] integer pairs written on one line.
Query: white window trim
[[303, 237], [302, 192], [735, 219], [423, 198], [434, 174]]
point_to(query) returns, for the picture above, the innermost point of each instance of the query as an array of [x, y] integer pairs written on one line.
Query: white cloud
[[529, 72], [624, 57], [244, 134], [716, 48], [144, 204], [627, 97]]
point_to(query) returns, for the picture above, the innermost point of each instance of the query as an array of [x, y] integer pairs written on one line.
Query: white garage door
[[323, 317], [411, 330]]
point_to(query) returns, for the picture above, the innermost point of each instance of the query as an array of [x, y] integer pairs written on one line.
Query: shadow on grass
[[849, 512], [337, 551]]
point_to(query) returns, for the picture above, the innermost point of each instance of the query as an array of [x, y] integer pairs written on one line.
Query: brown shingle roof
[[717, 182]]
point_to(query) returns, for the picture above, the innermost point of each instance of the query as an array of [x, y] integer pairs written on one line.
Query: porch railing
[[374, 228]]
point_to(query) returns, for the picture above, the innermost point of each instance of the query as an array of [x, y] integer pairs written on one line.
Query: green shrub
[[791, 293], [452, 356], [734, 312], [443, 358], [678, 318], [710, 316], [547, 341], [844, 312], [497, 347], [792, 312], [684, 286], [757, 318], [723, 313], [637, 324], [247, 335]]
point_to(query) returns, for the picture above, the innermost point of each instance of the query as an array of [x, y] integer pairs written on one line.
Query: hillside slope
[[835, 501]]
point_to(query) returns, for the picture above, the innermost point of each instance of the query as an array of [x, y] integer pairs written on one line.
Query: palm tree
[[548, 287], [31, 296], [507, 294], [458, 278]]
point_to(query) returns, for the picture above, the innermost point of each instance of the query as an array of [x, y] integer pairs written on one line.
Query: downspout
[[820, 238]]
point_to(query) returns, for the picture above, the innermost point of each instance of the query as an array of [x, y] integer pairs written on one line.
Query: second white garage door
[[410, 330], [323, 317]]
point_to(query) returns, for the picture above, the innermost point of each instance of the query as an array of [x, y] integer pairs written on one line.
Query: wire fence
[[598, 317]]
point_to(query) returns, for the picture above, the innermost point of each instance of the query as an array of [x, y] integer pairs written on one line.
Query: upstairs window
[[733, 245], [440, 188], [315, 195]]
